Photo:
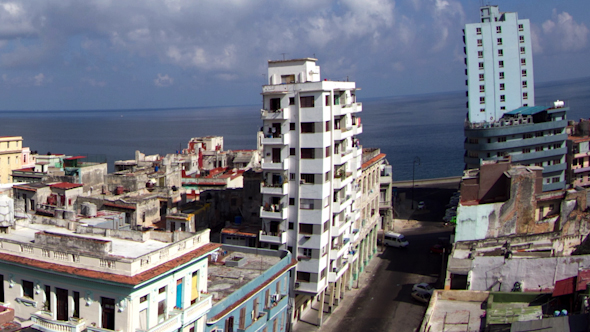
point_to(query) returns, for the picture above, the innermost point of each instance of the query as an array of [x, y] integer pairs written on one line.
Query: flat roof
[[223, 280], [66, 185], [528, 110]]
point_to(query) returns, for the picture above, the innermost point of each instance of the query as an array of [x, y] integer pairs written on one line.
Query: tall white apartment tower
[[499, 61], [311, 158]]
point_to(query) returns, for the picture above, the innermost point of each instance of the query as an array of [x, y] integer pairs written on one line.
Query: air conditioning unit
[[297, 285]]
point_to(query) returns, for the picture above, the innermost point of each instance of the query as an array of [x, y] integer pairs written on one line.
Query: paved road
[[386, 304]]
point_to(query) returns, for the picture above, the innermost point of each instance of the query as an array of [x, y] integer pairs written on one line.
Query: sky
[[122, 54]]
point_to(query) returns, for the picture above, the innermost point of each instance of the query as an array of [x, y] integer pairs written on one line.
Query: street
[[386, 304]]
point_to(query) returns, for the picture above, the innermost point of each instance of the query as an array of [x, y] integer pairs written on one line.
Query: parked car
[[421, 297], [421, 205], [395, 240], [423, 287]]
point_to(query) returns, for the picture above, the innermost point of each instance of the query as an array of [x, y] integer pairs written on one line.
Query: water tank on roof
[[558, 104]]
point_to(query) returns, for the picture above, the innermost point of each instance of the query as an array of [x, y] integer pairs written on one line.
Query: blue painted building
[[251, 289]]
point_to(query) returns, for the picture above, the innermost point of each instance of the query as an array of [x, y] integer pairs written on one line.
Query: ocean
[[429, 127]]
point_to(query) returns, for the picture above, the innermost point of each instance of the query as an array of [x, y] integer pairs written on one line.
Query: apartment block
[[311, 160], [502, 119], [578, 154]]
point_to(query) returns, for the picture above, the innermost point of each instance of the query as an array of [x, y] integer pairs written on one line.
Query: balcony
[[276, 139], [280, 114], [97, 329], [256, 325], [279, 237], [275, 188], [281, 165], [44, 321], [197, 310], [277, 307], [337, 272], [173, 323], [342, 179], [274, 211], [355, 235], [339, 249]]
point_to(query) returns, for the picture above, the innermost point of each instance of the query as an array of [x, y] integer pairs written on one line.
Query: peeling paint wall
[[536, 274]]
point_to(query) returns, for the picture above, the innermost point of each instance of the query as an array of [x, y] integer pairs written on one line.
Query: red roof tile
[[117, 278], [373, 160], [66, 185]]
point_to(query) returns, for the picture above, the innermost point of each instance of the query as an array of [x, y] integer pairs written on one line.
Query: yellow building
[[10, 156]]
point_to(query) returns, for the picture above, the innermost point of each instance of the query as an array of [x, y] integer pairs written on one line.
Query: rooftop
[[234, 269]]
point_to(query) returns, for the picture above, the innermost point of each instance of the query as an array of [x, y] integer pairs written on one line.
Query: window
[[501, 153], [521, 38], [501, 75], [307, 252], [502, 98], [499, 41], [520, 27], [162, 290], [555, 179], [292, 126], [502, 86], [275, 104], [478, 31], [481, 77], [291, 201], [292, 151], [307, 153], [502, 107], [143, 299], [539, 149], [523, 73], [502, 139], [308, 127], [481, 65], [482, 88], [527, 135], [327, 102], [303, 276], [501, 64], [522, 50], [292, 176], [307, 178], [482, 109], [307, 101], [525, 95], [327, 151], [482, 100], [291, 226], [28, 289], [526, 150], [479, 42], [557, 146], [498, 29], [500, 52], [539, 134], [480, 54], [291, 100], [306, 228], [524, 84], [523, 61]]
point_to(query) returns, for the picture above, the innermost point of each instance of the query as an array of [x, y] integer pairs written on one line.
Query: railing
[[198, 309], [44, 321], [171, 324], [97, 329]]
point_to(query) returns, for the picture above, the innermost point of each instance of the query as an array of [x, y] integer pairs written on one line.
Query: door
[[179, 293], [108, 313], [62, 304], [276, 155]]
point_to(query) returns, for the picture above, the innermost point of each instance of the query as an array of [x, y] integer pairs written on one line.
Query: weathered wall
[[130, 182], [93, 176], [73, 242], [534, 274], [474, 221]]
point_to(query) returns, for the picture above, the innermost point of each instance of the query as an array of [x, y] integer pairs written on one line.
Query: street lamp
[[416, 160]]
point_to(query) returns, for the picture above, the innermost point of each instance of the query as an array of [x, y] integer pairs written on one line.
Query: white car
[[423, 287], [422, 297]]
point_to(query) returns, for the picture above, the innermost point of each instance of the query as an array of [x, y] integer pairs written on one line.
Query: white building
[[311, 159], [78, 277], [499, 60]]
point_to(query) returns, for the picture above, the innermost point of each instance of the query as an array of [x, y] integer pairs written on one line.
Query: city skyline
[[119, 55]]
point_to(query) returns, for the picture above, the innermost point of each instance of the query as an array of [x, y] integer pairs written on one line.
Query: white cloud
[[562, 33], [93, 82], [39, 79], [163, 80]]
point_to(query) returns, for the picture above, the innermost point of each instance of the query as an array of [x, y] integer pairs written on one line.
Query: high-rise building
[[502, 119], [499, 60], [311, 160]]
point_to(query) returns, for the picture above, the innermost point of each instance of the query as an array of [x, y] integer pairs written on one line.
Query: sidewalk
[[331, 320]]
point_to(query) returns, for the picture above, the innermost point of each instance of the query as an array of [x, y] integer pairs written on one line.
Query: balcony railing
[[173, 323], [257, 324], [44, 321]]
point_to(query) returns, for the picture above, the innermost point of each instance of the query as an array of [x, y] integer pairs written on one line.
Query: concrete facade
[[11, 148], [83, 278], [311, 159], [578, 153], [253, 293]]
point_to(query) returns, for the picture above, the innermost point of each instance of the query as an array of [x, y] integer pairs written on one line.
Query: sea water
[[421, 134]]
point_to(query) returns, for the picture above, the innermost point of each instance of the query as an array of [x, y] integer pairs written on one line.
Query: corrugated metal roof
[[564, 287]]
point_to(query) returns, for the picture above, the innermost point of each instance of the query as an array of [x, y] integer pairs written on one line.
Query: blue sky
[[120, 54]]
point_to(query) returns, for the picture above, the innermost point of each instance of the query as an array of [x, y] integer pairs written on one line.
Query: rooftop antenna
[[283, 55]]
